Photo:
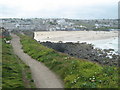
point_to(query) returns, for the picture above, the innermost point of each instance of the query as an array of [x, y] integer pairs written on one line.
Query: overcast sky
[[74, 9]]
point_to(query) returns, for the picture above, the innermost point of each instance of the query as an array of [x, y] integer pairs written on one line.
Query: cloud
[[59, 8]]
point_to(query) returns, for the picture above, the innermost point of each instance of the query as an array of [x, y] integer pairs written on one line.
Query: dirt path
[[43, 77]]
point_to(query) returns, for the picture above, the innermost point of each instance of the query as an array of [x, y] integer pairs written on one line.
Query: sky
[[72, 9]]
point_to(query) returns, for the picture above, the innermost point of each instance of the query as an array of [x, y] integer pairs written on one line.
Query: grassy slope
[[76, 73], [13, 68], [0, 63]]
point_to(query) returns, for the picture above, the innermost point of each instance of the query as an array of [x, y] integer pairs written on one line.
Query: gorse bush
[[75, 73]]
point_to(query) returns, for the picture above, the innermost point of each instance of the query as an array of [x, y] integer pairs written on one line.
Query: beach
[[100, 39], [73, 36], [96, 46]]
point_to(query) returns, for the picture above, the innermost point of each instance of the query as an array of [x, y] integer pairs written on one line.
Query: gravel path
[[43, 77]]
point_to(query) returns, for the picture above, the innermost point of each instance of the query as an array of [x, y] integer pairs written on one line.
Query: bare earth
[[43, 77], [73, 36]]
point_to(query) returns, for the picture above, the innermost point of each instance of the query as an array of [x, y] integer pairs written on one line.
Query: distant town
[[39, 24]]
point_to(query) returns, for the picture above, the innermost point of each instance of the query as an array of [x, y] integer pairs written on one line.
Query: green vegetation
[[52, 23], [0, 63], [15, 73], [103, 28], [76, 73]]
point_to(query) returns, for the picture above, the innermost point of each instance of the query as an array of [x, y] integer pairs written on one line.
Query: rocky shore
[[85, 51]]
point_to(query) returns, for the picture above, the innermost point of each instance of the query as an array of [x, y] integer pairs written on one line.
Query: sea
[[111, 43]]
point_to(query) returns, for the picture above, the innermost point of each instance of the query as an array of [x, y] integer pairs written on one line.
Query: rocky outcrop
[[85, 51]]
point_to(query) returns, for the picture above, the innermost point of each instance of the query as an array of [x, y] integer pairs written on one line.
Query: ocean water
[[111, 43]]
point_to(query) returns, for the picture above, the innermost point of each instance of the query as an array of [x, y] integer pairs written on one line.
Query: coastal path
[[42, 76]]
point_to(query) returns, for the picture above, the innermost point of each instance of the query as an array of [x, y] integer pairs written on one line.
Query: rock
[[83, 51]]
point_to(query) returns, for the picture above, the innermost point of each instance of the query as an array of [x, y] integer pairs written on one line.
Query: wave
[[111, 43]]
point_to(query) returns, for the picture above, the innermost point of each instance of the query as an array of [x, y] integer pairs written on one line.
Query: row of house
[[53, 24]]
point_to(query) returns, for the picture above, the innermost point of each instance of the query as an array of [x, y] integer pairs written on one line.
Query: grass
[[0, 63], [75, 73], [13, 68], [26, 75]]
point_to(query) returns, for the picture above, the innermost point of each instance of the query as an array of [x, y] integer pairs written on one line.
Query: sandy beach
[[73, 36]]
